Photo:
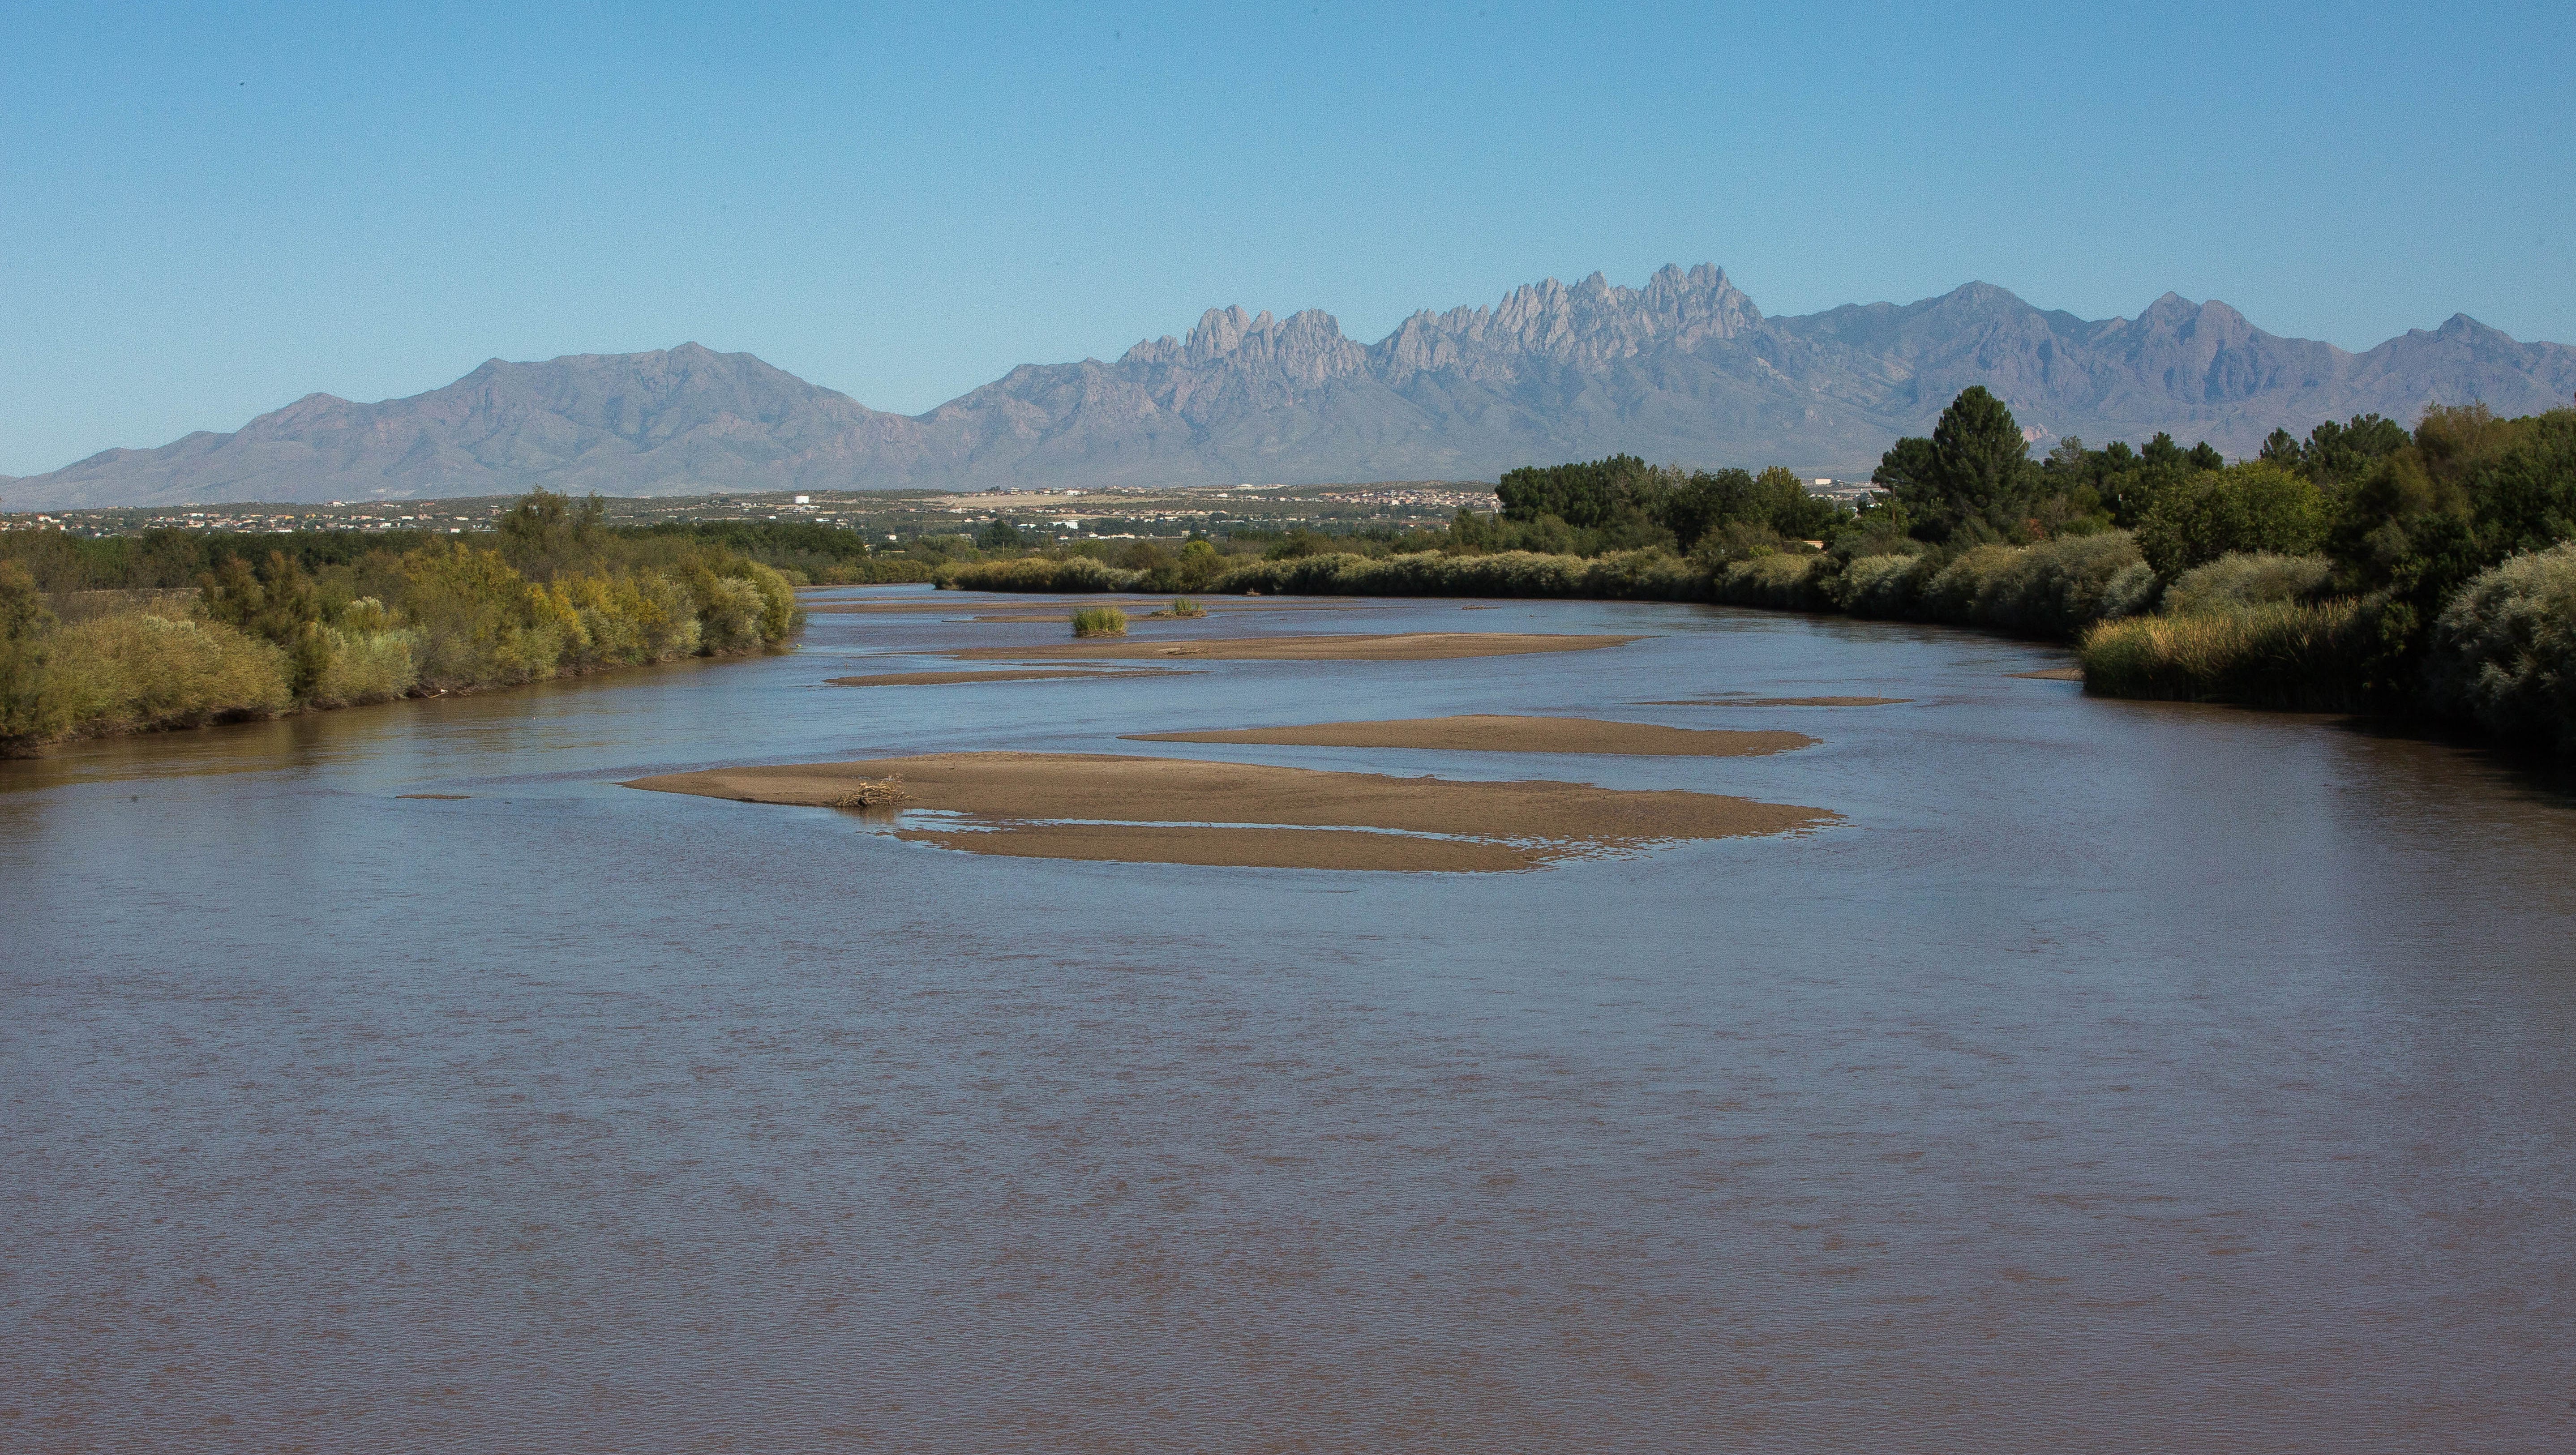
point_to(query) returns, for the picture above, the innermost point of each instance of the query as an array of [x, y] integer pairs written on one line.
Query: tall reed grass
[[1099, 621], [2281, 654]]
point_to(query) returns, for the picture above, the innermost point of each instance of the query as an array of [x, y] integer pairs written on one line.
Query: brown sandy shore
[[1150, 810], [1390, 647], [1775, 702], [1044, 609], [944, 679], [1497, 734]]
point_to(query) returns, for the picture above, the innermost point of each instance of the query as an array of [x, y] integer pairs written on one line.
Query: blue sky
[[207, 211]]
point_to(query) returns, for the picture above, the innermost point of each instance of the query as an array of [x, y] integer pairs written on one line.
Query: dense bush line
[[1649, 575], [804, 552], [2504, 650], [556, 595]]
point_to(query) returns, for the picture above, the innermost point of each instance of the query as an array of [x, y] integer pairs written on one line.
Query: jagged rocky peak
[[1585, 322], [1307, 347], [1589, 322]]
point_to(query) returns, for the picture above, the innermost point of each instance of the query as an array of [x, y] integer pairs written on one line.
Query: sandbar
[[963, 603], [1183, 811], [944, 679], [1776, 702], [1498, 734], [2054, 674], [1395, 647], [1236, 848]]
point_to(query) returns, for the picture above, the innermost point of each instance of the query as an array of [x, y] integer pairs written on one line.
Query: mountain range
[[1686, 368]]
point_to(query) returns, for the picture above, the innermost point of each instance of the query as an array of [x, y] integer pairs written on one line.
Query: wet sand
[[1499, 734], [1775, 702], [2053, 674], [1397, 647], [1181, 811], [944, 679], [1232, 848]]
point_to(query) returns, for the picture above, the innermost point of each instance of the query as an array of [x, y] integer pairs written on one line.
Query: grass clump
[[875, 793], [1183, 607], [2282, 654], [1099, 621]]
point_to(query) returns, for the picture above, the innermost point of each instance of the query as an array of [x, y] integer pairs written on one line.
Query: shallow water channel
[[2116, 1076]]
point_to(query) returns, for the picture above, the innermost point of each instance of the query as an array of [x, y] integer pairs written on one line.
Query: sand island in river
[[1775, 702], [951, 679], [1390, 647], [1179, 811], [1498, 734]]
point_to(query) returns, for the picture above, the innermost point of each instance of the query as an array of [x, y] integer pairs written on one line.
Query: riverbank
[[2246, 628], [268, 637]]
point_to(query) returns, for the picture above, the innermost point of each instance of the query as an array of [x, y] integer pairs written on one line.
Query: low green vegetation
[[1099, 621], [803, 552], [1183, 607], [316, 624]]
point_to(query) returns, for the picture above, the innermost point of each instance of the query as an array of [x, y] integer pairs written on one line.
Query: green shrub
[[1780, 582], [1956, 591], [123, 673], [28, 712], [1884, 586], [1183, 607], [480, 622], [1646, 575], [365, 667], [2058, 587], [2247, 578], [2286, 654], [2134, 592], [1099, 621], [2504, 650], [2257, 506], [730, 615], [631, 617]]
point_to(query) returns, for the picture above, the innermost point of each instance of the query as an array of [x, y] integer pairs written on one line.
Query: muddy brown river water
[[2111, 1076]]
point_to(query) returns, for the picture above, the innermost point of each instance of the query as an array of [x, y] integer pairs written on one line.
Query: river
[[2116, 1076]]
